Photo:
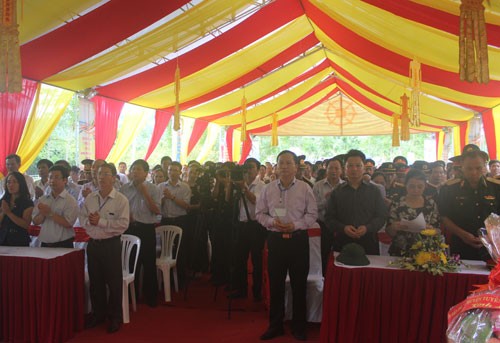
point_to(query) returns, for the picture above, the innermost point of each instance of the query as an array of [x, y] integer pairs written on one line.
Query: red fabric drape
[[245, 149], [306, 75], [96, 31], [14, 111], [162, 119], [266, 20], [229, 143], [390, 60], [463, 134], [489, 133], [390, 305], [198, 128], [107, 113]]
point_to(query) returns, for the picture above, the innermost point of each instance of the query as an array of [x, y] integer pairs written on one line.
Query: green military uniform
[[468, 208]]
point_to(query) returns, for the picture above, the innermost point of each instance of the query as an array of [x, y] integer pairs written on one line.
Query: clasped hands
[[355, 233], [282, 227], [94, 218]]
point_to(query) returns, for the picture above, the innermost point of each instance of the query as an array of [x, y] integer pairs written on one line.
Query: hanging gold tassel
[[243, 119], [10, 54], [405, 121], [415, 82], [274, 130], [177, 90], [473, 44], [395, 129]]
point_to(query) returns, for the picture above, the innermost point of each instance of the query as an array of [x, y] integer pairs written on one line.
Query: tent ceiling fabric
[[296, 58]]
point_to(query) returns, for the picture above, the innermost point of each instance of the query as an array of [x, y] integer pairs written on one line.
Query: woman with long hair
[[16, 207]]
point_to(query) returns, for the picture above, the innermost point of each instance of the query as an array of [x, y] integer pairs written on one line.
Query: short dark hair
[[492, 162], [122, 163], [295, 158], [111, 167], [16, 157], [63, 163], [59, 167], [370, 160], [339, 160], [176, 164], [45, 161], [415, 174], [164, 158], [75, 169], [355, 153], [141, 163], [474, 154], [252, 160]]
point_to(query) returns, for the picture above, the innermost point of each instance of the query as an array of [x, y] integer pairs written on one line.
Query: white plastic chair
[[128, 242], [168, 257]]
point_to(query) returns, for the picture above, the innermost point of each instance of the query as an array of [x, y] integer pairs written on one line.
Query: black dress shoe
[[92, 321], [272, 333], [114, 326], [299, 335]]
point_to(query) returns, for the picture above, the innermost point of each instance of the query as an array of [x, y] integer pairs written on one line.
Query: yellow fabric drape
[[210, 142], [258, 89], [46, 112], [132, 120], [390, 84], [231, 67], [492, 12], [456, 141], [236, 146], [243, 135], [165, 39], [186, 132], [274, 130], [435, 47], [43, 16], [177, 90], [395, 129], [496, 120], [276, 104], [440, 144]]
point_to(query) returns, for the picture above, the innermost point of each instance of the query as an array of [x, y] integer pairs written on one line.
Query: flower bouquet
[[429, 253], [477, 318]]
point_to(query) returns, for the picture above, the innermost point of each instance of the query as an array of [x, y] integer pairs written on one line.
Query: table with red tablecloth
[[378, 303], [41, 294]]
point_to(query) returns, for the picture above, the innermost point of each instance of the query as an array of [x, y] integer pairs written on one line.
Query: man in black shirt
[[356, 210]]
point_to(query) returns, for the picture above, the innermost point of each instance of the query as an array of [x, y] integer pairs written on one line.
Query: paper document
[[415, 225]]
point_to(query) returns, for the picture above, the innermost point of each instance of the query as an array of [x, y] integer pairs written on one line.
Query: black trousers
[[186, 242], [288, 255], [146, 261], [105, 269], [62, 244], [326, 244], [251, 239]]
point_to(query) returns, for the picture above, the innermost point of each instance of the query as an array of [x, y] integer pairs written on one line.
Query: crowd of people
[[229, 211]]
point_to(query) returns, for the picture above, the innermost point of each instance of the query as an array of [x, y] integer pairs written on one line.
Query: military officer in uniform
[[464, 204]]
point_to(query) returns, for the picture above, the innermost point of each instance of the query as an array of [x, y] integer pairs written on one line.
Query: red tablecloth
[[80, 233], [390, 305], [41, 294]]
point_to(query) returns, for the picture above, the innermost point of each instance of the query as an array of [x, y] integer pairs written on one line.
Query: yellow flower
[[444, 246], [428, 232], [417, 245], [443, 258], [423, 257]]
